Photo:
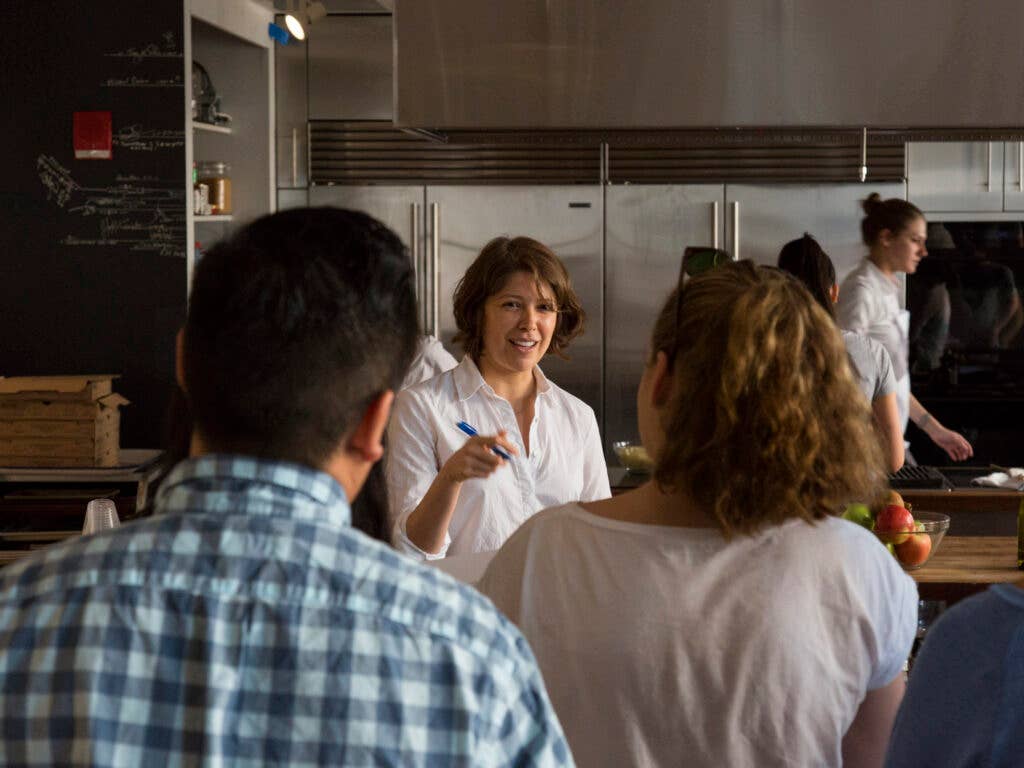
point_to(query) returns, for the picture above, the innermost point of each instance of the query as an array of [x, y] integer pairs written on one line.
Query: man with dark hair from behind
[[245, 622]]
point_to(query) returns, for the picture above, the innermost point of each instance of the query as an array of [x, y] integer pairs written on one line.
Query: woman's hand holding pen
[[476, 458], [427, 525]]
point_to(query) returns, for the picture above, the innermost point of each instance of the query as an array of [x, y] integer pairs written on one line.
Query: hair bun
[[872, 201]]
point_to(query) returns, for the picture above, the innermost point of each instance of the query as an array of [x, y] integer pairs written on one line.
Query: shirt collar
[[468, 379], [289, 489]]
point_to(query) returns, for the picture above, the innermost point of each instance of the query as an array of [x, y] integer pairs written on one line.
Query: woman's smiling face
[[519, 321]]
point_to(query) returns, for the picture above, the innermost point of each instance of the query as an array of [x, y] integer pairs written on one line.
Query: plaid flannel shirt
[[247, 623]]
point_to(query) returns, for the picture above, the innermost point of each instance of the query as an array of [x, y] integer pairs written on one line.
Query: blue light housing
[[278, 33]]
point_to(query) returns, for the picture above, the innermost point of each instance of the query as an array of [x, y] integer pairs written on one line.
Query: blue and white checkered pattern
[[248, 624]]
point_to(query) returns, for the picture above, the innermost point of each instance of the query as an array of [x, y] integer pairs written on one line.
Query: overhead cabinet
[[1013, 176], [966, 176]]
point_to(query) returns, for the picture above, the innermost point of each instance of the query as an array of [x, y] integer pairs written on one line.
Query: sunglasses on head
[[696, 260]]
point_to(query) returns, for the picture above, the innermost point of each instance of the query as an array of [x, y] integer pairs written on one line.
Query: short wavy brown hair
[[488, 273], [765, 422]]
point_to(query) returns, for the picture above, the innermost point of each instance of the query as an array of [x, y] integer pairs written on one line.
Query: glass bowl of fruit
[[633, 457], [912, 538]]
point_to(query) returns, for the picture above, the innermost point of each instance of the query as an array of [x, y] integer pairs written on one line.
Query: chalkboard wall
[[93, 252]]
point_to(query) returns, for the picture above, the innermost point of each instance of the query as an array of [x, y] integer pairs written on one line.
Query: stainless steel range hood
[[685, 64]]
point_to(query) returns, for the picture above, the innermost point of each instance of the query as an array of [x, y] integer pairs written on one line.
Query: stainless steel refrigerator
[[648, 226]]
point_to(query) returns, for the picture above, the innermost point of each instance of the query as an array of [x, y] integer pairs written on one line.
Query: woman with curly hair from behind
[[722, 614]]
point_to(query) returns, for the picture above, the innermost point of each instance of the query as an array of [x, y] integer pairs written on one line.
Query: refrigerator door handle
[[434, 274], [714, 224], [736, 230], [414, 252], [988, 166], [295, 156]]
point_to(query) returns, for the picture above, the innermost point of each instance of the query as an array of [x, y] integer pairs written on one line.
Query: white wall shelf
[[229, 38]]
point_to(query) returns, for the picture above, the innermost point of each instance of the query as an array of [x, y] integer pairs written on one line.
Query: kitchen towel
[[1012, 478]]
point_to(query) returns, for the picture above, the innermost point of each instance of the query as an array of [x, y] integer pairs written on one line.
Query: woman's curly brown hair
[[488, 273], [764, 422]]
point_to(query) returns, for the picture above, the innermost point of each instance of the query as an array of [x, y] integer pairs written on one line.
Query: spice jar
[[217, 176]]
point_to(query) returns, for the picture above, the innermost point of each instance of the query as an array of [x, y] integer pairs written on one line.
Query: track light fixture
[[300, 13]]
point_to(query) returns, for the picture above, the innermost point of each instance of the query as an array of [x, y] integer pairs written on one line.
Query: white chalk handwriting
[[136, 81], [166, 49], [133, 137], [140, 213]]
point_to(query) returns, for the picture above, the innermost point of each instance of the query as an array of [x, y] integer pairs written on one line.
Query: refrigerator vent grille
[[755, 161], [372, 152], [375, 152]]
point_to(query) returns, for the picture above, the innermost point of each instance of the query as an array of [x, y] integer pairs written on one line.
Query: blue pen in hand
[[471, 432]]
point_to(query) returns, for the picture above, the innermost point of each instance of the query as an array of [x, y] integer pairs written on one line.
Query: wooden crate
[[59, 421]]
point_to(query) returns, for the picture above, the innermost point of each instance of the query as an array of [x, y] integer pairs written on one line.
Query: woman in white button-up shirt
[[895, 232], [452, 494]]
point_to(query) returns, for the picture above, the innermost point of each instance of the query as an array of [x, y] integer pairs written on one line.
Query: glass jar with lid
[[216, 174]]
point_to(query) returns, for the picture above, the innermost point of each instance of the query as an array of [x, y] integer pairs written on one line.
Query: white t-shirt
[[670, 646], [566, 461], [872, 366], [431, 359]]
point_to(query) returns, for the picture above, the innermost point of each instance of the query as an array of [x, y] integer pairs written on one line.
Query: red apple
[[893, 523], [915, 549]]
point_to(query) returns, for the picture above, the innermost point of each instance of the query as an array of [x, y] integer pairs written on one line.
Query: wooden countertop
[[964, 565], [964, 499]]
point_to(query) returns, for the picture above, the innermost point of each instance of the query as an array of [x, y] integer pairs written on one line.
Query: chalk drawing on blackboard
[[136, 81], [128, 178], [166, 49], [142, 214], [133, 137], [56, 178]]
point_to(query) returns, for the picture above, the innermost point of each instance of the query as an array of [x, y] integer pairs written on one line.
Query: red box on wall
[[92, 135]]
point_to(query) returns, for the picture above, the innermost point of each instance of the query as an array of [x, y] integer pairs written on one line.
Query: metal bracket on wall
[[864, 155], [434, 136]]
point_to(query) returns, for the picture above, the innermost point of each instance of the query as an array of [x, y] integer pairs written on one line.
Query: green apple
[[859, 514]]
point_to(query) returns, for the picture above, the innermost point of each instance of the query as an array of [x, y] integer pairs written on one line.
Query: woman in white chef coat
[[895, 232], [450, 493], [721, 614]]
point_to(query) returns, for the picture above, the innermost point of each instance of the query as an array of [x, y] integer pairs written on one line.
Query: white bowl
[[633, 457]]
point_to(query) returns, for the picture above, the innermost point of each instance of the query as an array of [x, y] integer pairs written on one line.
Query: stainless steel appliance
[[647, 228], [761, 218], [400, 208], [696, 64]]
